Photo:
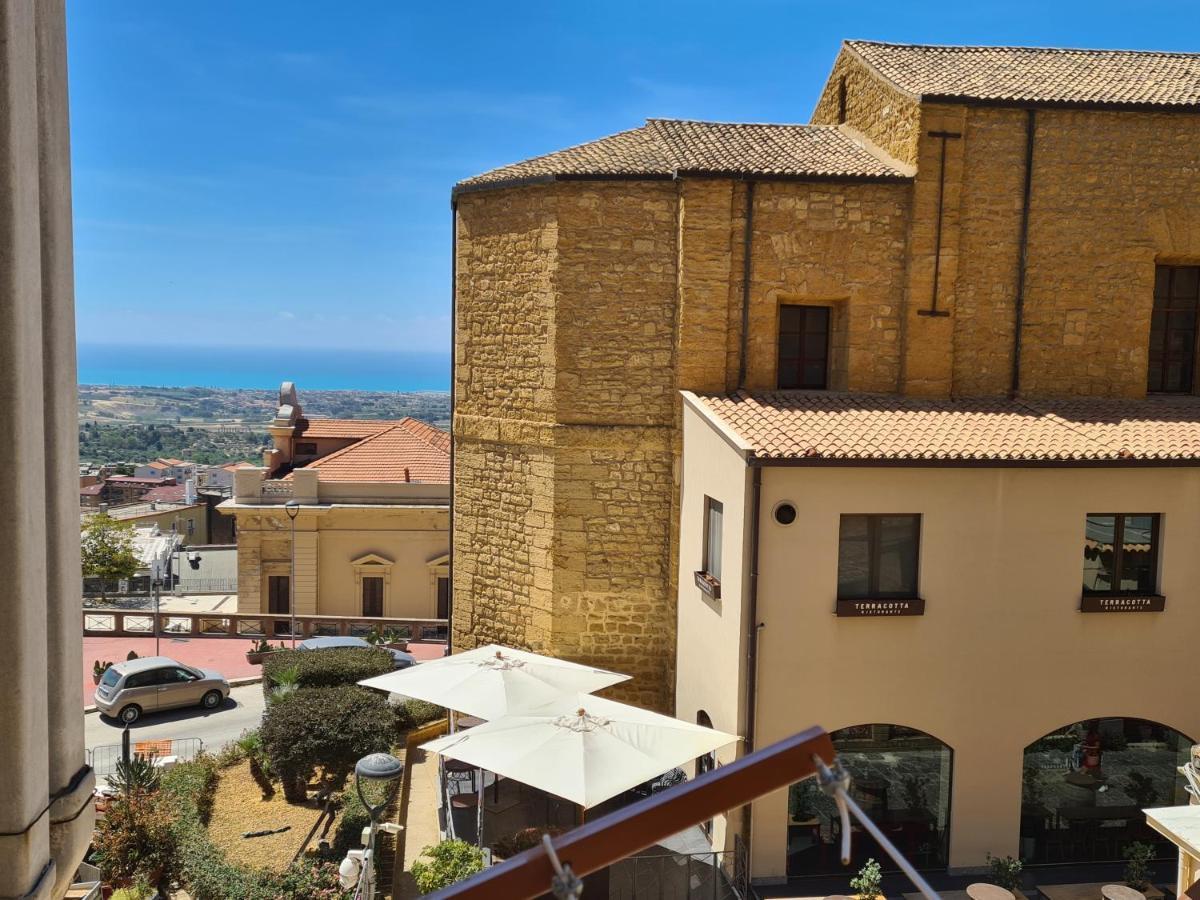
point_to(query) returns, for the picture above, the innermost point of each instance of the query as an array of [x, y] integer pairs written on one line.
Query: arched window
[[1085, 785], [900, 777]]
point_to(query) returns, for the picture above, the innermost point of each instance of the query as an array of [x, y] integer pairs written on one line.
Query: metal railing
[[205, 586], [126, 623], [104, 759]]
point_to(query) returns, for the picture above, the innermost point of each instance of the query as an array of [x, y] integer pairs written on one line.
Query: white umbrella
[[492, 681], [583, 748]]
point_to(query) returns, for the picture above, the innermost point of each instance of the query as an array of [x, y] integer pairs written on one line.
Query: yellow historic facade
[[961, 234], [371, 518]]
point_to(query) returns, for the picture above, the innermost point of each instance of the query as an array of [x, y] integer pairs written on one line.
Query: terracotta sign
[[911, 606], [1098, 603]]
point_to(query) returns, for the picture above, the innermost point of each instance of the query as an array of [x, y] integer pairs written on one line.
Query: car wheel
[[212, 700], [130, 714]]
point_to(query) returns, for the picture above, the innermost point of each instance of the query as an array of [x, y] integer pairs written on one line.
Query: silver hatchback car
[[130, 689]]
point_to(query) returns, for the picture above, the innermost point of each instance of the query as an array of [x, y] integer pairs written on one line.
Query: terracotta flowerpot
[[255, 658], [96, 676], [397, 645]]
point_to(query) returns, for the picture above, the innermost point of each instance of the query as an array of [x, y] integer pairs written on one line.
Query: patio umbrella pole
[[479, 812]]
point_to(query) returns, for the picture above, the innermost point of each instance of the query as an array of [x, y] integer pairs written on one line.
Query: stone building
[[954, 222], [371, 518]]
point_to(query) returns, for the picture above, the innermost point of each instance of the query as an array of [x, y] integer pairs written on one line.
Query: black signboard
[[869, 608], [1102, 603]]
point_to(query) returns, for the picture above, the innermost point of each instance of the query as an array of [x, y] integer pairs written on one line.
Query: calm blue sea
[[262, 367]]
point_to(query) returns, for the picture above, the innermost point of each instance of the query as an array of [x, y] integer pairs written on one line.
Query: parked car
[[130, 689], [402, 660]]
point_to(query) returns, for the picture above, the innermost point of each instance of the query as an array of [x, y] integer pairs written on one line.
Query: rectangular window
[[803, 347], [443, 598], [1120, 553], [877, 556], [306, 448], [279, 600], [1173, 329], [713, 511], [372, 595]]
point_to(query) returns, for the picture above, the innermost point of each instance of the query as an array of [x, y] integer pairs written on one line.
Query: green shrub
[[328, 727], [138, 776], [353, 820], [445, 864], [136, 842], [868, 882], [414, 713], [325, 668]]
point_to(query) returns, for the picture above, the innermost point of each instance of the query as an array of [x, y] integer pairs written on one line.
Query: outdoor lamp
[[373, 779]]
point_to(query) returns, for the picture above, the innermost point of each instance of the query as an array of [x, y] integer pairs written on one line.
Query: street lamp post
[[292, 508], [374, 776]]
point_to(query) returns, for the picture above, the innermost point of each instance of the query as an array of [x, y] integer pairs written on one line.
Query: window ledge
[[872, 607], [1121, 603], [709, 585]]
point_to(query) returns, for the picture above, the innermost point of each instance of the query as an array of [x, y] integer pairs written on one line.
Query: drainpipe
[[747, 241], [453, 354], [1023, 253], [753, 627]]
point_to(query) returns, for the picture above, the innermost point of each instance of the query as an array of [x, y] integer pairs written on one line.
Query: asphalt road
[[242, 710]]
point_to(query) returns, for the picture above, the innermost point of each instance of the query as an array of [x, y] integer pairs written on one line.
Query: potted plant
[[389, 638], [258, 649], [1005, 872], [1137, 870], [868, 883], [98, 670]]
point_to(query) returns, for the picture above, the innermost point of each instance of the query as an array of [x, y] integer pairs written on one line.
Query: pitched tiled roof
[[92, 490], [666, 148], [402, 451], [1036, 75], [821, 426], [171, 493]]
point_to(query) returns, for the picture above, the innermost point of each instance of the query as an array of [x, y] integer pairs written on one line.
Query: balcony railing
[[128, 623]]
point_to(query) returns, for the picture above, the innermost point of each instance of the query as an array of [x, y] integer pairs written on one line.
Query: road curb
[[233, 683]]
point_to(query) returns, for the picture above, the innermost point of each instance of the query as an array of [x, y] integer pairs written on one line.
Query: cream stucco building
[[371, 518], [935, 582]]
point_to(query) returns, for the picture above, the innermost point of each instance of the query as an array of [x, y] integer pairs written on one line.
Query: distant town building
[[130, 488], [372, 522], [220, 477], [166, 467]]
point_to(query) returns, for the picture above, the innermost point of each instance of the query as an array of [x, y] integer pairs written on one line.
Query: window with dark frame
[[306, 448], [443, 597], [713, 512], [1173, 329], [803, 360], [1120, 553], [372, 595], [877, 556]]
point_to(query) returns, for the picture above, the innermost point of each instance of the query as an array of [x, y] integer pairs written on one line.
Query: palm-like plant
[[137, 776]]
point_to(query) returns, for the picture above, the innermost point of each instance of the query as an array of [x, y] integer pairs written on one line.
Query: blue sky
[[250, 172]]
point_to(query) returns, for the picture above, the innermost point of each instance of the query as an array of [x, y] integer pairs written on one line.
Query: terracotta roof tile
[[384, 457], [1037, 74], [664, 148], [836, 426], [171, 493]]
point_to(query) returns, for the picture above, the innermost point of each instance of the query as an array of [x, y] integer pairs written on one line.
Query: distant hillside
[[214, 425]]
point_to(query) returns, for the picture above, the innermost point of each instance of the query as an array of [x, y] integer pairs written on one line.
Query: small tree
[[328, 727], [135, 842], [868, 882], [107, 549], [448, 863]]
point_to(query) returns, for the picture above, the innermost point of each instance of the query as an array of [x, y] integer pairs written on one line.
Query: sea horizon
[[261, 368]]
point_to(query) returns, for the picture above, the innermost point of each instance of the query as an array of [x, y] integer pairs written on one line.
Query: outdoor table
[[462, 722], [1121, 892], [1087, 891], [984, 891]]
